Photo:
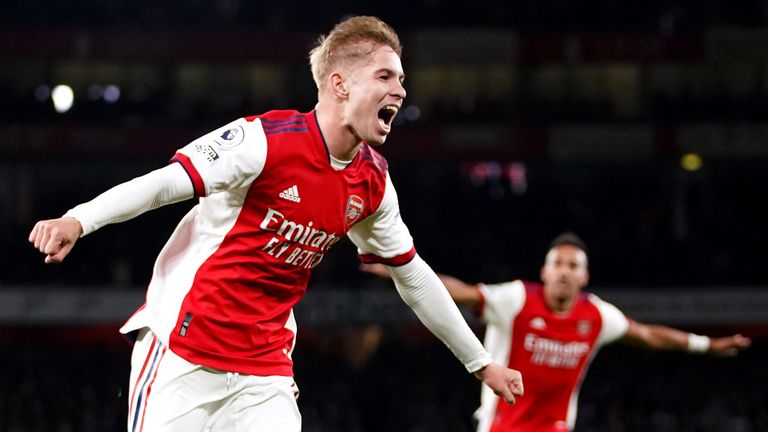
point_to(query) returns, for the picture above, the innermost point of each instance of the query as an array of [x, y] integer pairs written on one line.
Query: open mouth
[[387, 113]]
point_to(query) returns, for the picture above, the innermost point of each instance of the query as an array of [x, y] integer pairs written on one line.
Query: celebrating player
[[276, 192], [550, 333]]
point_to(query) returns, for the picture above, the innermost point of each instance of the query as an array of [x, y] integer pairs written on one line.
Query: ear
[[338, 87]]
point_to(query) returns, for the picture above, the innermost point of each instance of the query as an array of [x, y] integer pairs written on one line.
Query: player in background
[[276, 191], [550, 332]]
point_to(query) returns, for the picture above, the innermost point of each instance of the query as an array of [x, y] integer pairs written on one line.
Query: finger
[[39, 231], [33, 233], [736, 342], [508, 396], [54, 259], [59, 257], [42, 239], [517, 387], [54, 243]]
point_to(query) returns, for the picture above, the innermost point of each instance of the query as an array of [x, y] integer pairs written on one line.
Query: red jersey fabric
[[271, 207], [552, 352]]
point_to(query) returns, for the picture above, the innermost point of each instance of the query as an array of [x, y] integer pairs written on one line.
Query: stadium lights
[[63, 98], [42, 93], [95, 92], [111, 93], [691, 162]]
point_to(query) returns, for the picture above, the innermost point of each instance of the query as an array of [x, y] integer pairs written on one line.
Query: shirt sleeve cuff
[[478, 364], [398, 260], [194, 175]]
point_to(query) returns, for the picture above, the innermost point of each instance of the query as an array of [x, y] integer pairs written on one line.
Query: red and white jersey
[[271, 206], [551, 351]]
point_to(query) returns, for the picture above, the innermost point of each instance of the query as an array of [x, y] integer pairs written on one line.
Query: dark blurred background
[[642, 126]]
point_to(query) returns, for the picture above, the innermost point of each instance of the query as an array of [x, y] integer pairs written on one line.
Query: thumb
[[59, 256], [508, 395], [517, 386]]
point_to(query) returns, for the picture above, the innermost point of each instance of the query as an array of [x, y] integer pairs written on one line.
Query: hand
[[375, 269], [55, 237], [728, 346], [504, 382]]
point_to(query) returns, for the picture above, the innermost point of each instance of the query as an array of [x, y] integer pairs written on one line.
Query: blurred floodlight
[[412, 113], [63, 98], [691, 162], [111, 93], [42, 92], [518, 177], [94, 92]]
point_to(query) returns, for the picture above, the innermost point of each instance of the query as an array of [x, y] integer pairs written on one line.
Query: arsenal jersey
[[270, 207], [552, 352]]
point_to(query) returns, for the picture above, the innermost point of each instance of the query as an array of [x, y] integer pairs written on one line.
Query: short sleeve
[[615, 324], [502, 302], [383, 237], [227, 158]]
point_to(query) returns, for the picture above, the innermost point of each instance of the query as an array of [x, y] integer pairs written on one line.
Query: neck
[[342, 143], [559, 305]]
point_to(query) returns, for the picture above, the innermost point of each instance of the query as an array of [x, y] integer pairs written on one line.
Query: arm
[[423, 291], [384, 238], [56, 237], [460, 291], [660, 337]]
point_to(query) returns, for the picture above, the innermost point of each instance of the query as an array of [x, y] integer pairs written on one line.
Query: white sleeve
[[125, 201], [423, 291], [383, 237], [502, 302], [615, 324], [228, 158]]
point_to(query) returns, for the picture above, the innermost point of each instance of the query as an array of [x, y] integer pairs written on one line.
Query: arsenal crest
[[355, 206], [584, 327]]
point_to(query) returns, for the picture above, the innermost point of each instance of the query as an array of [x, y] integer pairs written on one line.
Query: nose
[[399, 90]]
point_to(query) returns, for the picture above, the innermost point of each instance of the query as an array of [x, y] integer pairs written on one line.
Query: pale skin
[[349, 102], [564, 274]]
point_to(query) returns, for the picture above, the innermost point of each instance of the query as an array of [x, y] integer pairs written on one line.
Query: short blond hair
[[346, 44]]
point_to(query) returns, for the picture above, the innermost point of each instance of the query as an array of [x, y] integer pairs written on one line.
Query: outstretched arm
[[56, 237], [662, 337], [422, 290], [383, 237], [460, 291]]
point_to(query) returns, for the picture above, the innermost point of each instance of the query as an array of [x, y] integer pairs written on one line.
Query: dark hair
[[569, 238]]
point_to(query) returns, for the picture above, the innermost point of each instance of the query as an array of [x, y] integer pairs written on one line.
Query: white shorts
[[170, 394]]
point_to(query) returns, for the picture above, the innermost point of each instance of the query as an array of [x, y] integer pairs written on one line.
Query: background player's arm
[[56, 237], [661, 337], [460, 291]]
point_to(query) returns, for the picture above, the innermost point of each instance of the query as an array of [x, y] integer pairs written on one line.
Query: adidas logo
[[291, 194], [538, 323]]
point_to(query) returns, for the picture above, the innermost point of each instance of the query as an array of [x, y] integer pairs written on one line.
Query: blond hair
[[346, 44]]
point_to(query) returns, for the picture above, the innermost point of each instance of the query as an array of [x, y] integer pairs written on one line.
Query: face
[[374, 94], [564, 273]]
